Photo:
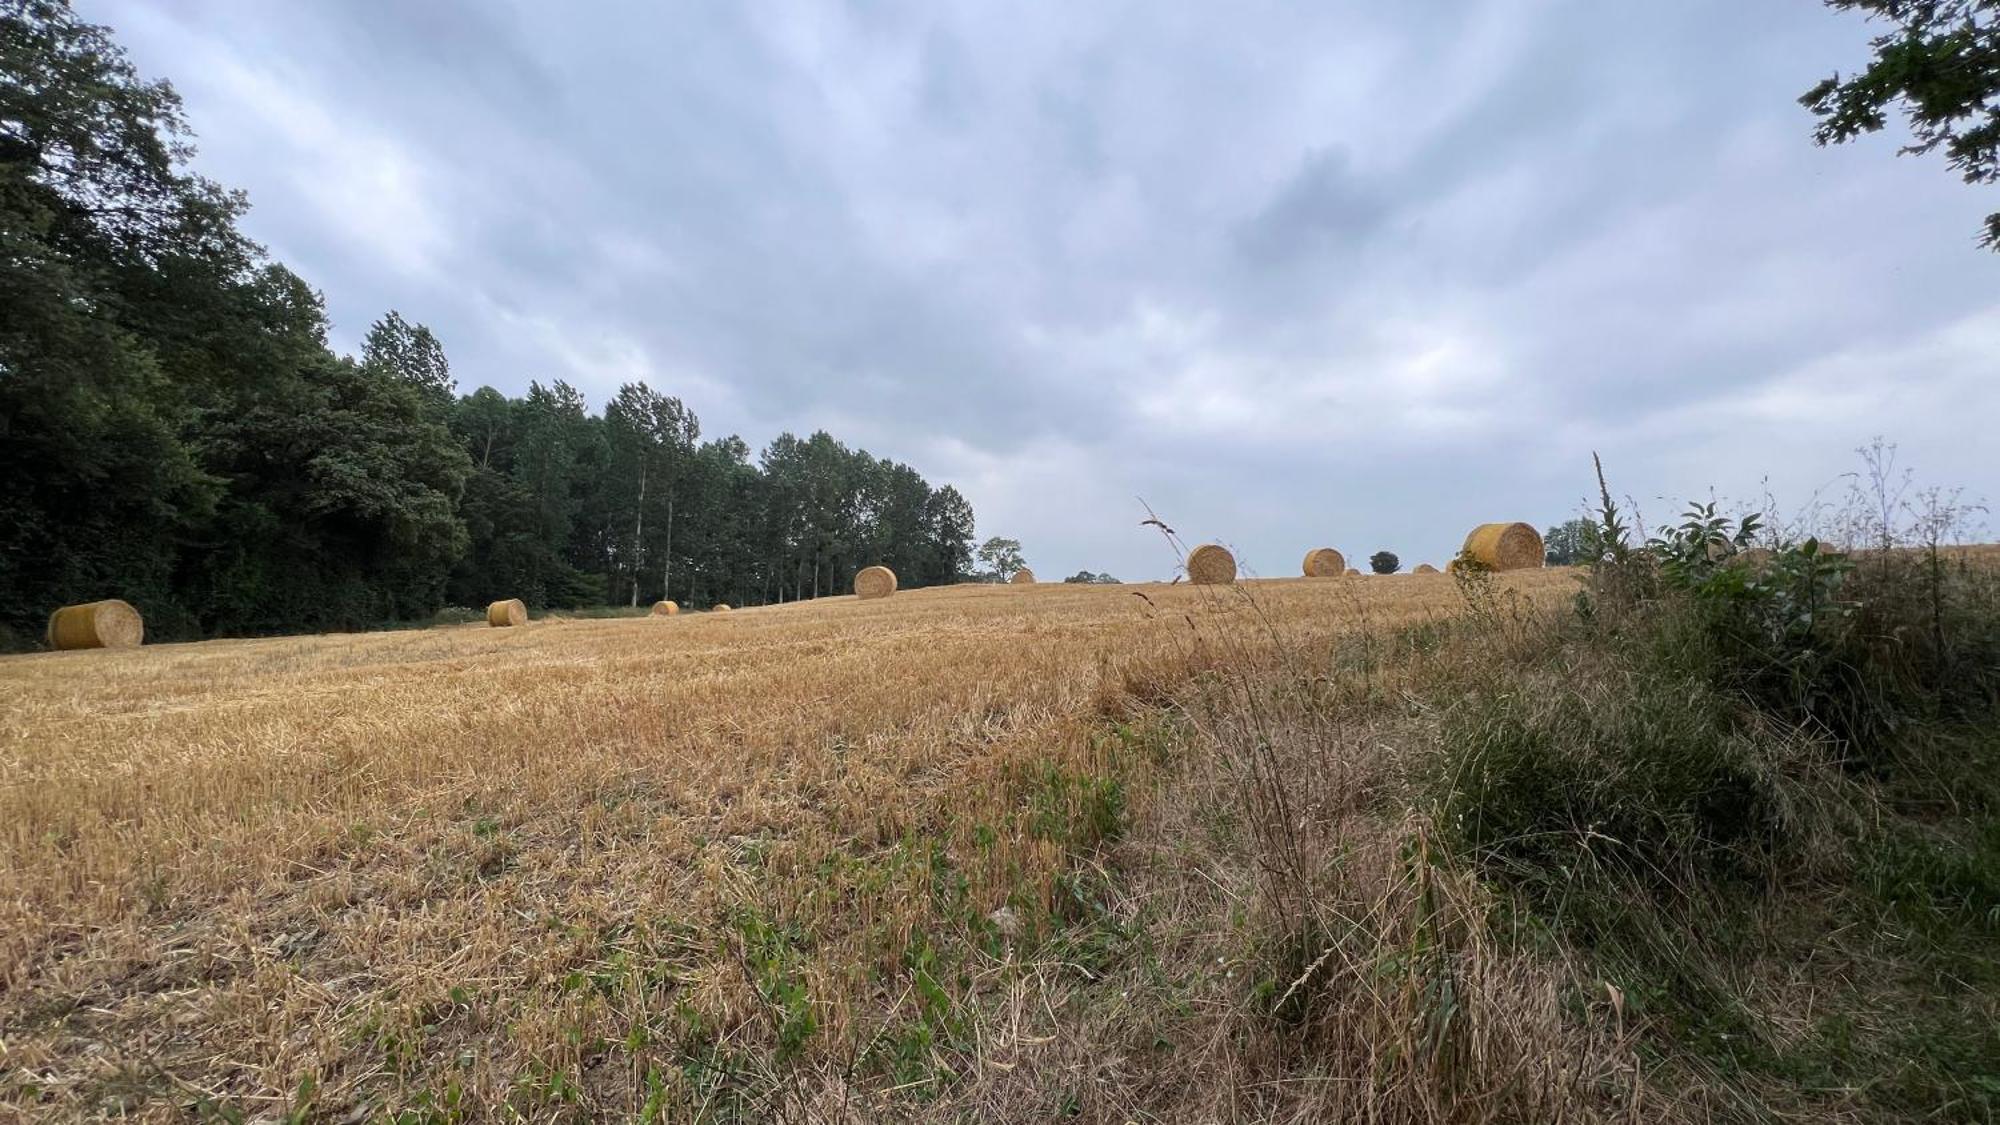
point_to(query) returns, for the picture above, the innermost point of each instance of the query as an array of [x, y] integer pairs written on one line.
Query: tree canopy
[[1384, 562], [1941, 65], [1001, 559], [1572, 542], [176, 431]]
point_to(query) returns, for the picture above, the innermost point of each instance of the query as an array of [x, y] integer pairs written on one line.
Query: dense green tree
[[98, 481], [948, 538], [1001, 558], [520, 499], [385, 480], [650, 439], [1572, 542], [410, 353], [893, 500], [1085, 577], [1940, 64], [725, 545], [1384, 562]]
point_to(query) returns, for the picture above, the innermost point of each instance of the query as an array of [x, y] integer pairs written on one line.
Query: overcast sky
[[1347, 274]]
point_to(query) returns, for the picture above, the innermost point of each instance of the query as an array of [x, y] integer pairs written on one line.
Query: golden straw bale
[[1353, 573], [1425, 568], [719, 607], [512, 611], [666, 608], [874, 582], [1023, 577], [1753, 558], [106, 624], [1325, 562], [1505, 546], [1211, 564]]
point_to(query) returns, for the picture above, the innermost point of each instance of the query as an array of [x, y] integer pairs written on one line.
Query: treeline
[[175, 430], [562, 507]]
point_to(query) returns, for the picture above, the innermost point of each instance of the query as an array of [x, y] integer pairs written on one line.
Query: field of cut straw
[[817, 860]]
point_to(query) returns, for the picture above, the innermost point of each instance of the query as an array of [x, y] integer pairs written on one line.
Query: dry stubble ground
[[815, 860]]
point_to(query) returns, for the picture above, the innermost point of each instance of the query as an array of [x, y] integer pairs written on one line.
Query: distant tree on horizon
[[1384, 562], [1572, 542], [1001, 558], [1085, 577]]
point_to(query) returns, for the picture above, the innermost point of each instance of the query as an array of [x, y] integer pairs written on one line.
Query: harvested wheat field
[[832, 858]]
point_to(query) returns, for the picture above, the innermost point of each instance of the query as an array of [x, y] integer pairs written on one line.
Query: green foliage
[[1088, 578], [97, 480], [1931, 881], [1078, 811], [1941, 64], [1001, 558], [410, 354], [1384, 562], [771, 953], [1852, 650], [1650, 789], [1639, 779], [1571, 543]]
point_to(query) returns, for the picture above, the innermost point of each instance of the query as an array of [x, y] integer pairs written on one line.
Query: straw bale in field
[[1353, 573], [1425, 568], [666, 608], [512, 611], [720, 607], [874, 582], [107, 624], [1325, 562], [1211, 564], [1023, 577], [1505, 546]]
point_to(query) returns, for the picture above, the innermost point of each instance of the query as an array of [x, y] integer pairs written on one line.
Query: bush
[[1853, 649], [1641, 776]]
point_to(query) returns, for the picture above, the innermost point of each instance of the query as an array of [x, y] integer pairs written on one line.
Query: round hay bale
[[512, 611], [107, 624], [1023, 577], [1353, 573], [1325, 562], [1505, 546], [1211, 564], [874, 582], [719, 607], [1753, 558], [1425, 568], [666, 608]]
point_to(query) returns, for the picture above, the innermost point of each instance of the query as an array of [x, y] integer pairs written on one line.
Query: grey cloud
[[1296, 274], [1322, 209]]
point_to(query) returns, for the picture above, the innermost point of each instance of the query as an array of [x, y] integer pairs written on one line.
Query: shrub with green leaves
[[1644, 777]]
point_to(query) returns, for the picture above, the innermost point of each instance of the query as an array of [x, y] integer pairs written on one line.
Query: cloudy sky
[[1356, 274]]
